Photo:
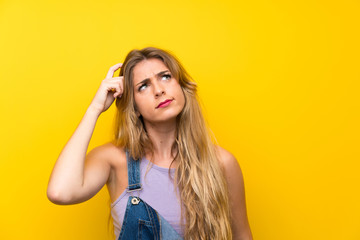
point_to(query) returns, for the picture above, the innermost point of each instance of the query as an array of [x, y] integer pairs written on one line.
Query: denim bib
[[141, 221]]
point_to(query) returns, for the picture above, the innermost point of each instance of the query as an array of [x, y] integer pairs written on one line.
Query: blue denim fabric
[[141, 221], [167, 231]]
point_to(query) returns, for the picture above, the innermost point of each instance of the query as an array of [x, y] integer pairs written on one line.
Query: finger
[[112, 69], [114, 79], [117, 95], [117, 80], [114, 88]]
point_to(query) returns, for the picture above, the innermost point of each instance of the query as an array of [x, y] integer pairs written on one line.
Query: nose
[[158, 90]]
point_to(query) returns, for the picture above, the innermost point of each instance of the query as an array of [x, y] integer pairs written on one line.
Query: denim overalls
[[141, 221]]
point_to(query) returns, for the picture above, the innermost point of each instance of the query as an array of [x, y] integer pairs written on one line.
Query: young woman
[[165, 177]]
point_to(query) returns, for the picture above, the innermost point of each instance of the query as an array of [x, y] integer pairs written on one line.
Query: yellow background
[[279, 81]]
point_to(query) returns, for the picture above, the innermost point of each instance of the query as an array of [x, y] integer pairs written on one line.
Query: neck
[[162, 135]]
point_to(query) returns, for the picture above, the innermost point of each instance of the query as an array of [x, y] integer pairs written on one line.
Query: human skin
[[78, 176], [160, 123]]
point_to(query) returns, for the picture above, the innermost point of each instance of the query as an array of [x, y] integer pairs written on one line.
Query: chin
[[166, 119], [163, 118]]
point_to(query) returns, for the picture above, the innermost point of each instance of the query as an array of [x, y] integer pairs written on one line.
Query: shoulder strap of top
[[133, 173]]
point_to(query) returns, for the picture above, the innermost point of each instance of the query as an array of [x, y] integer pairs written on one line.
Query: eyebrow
[[158, 74]]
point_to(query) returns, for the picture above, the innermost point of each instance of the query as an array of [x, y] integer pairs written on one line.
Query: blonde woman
[[165, 176]]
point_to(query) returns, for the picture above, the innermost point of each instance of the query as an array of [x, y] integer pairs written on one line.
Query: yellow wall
[[279, 81]]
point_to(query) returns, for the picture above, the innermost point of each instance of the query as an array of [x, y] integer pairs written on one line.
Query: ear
[[137, 113]]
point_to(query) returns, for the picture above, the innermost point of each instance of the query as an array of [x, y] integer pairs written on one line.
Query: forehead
[[147, 69]]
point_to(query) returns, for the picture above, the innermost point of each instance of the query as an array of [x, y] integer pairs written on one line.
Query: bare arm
[[240, 224], [66, 184], [72, 180]]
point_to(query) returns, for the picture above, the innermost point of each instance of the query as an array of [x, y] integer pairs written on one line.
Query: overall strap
[[133, 173]]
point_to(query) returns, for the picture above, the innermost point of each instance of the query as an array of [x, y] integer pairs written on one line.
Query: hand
[[110, 88]]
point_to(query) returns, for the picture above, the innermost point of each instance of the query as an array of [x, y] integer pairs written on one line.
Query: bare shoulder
[[113, 155], [108, 151], [228, 161], [234, 178], [231, 168]]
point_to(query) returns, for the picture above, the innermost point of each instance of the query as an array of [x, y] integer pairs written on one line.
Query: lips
[[165, 103]]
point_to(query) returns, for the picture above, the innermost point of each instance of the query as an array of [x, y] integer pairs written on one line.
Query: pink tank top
[[157, 191]]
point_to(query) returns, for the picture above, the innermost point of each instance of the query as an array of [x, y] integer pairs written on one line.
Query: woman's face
[[158, 95]]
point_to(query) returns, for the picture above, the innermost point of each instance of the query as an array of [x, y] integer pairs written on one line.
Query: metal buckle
[[138, 189], [135, 201]]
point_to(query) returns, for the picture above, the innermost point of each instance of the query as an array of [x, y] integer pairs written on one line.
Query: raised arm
[[74, 180]]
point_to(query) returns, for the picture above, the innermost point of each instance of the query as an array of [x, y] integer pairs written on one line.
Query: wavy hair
[[199, 176]]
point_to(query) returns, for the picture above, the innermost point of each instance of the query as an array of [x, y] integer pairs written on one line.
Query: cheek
[[178, 90], [142, 104], [138, 104], [181, 97]]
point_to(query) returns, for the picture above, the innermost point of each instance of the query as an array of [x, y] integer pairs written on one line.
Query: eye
[[142, 87], [166, 76]]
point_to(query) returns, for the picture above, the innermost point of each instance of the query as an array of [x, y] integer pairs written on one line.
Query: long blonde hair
[[205, 210]]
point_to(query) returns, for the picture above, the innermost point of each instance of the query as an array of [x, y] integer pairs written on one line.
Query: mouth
[[165, 103]]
